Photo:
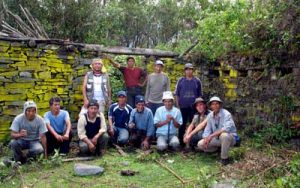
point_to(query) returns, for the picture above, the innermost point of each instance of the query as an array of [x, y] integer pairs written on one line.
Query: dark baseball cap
[[121, 93], [139, 99]]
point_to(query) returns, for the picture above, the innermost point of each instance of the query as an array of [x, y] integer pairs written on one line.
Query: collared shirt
[[58, 122], [132, 76], [161, 115], [82, 123], [223, 120], [120, 116], [143, 120]]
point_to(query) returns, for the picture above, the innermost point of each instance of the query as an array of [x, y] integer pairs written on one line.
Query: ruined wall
[[253, 91]]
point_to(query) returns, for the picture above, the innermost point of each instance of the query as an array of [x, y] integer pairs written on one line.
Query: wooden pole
[[170, 170], [120, 150]]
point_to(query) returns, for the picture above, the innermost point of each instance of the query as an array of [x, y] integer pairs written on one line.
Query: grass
[[150, 174], [269, 166]]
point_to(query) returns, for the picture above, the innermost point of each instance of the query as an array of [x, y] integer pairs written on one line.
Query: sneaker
[[225, 161]]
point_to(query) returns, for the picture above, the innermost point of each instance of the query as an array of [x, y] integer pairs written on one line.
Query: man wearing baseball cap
[[91, 128], [96, 86], [118, 117], [220, 130], [194, 132], [167, 119], [188, 88], [28, 132], [141, 124], [157, 83]]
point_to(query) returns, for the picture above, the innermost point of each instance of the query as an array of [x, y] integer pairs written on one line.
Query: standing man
[[167, 120], [92, 130], [59, 127], [96, 86], [118, 117], [220, 131], [157, 83], [188, 88], [141, 124], [28, 132], [134, 77], [195, 130]]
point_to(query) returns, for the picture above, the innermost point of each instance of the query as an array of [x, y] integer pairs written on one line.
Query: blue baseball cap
[[139, 99], [121, 93]]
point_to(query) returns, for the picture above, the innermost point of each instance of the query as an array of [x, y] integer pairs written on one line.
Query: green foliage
[[292, 179], [53, 161]]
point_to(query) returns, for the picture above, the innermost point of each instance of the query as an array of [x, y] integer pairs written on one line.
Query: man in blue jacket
[[141, 124]]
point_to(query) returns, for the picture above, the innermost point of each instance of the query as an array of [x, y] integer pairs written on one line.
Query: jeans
[[34, 148], [225, 141], [52, 143], [101, 145], [195, 139], [163, 142], [187, 117], [121, 136]]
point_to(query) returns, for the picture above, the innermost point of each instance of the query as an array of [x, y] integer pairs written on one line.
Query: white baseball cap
[[159, 62]]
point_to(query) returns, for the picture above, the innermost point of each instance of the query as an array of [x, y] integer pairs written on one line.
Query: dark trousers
[[187, 117], [154, 106], [137, 137], [101, 145], [52, 144], [195, 139], [131, 93]]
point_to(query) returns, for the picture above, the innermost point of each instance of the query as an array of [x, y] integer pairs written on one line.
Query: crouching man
[[141, 125], [28, 133], [59, 128], [220, 131], [91, 129], [167, 120]]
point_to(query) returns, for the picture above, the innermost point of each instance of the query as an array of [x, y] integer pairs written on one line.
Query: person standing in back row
[[188, 88], [96, 86], [134, 77], [157, 83]]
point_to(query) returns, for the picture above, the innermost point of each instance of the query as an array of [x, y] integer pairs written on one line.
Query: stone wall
[[39, 70], [252, 90]]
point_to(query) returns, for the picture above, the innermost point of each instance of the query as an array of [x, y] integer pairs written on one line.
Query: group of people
[[135, 119]]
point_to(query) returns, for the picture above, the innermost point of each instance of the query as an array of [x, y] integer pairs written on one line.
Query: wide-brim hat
[[197, 100], [215, 98], [167, 95]]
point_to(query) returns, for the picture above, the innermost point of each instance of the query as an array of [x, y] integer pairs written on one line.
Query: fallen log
[[130, 51]]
